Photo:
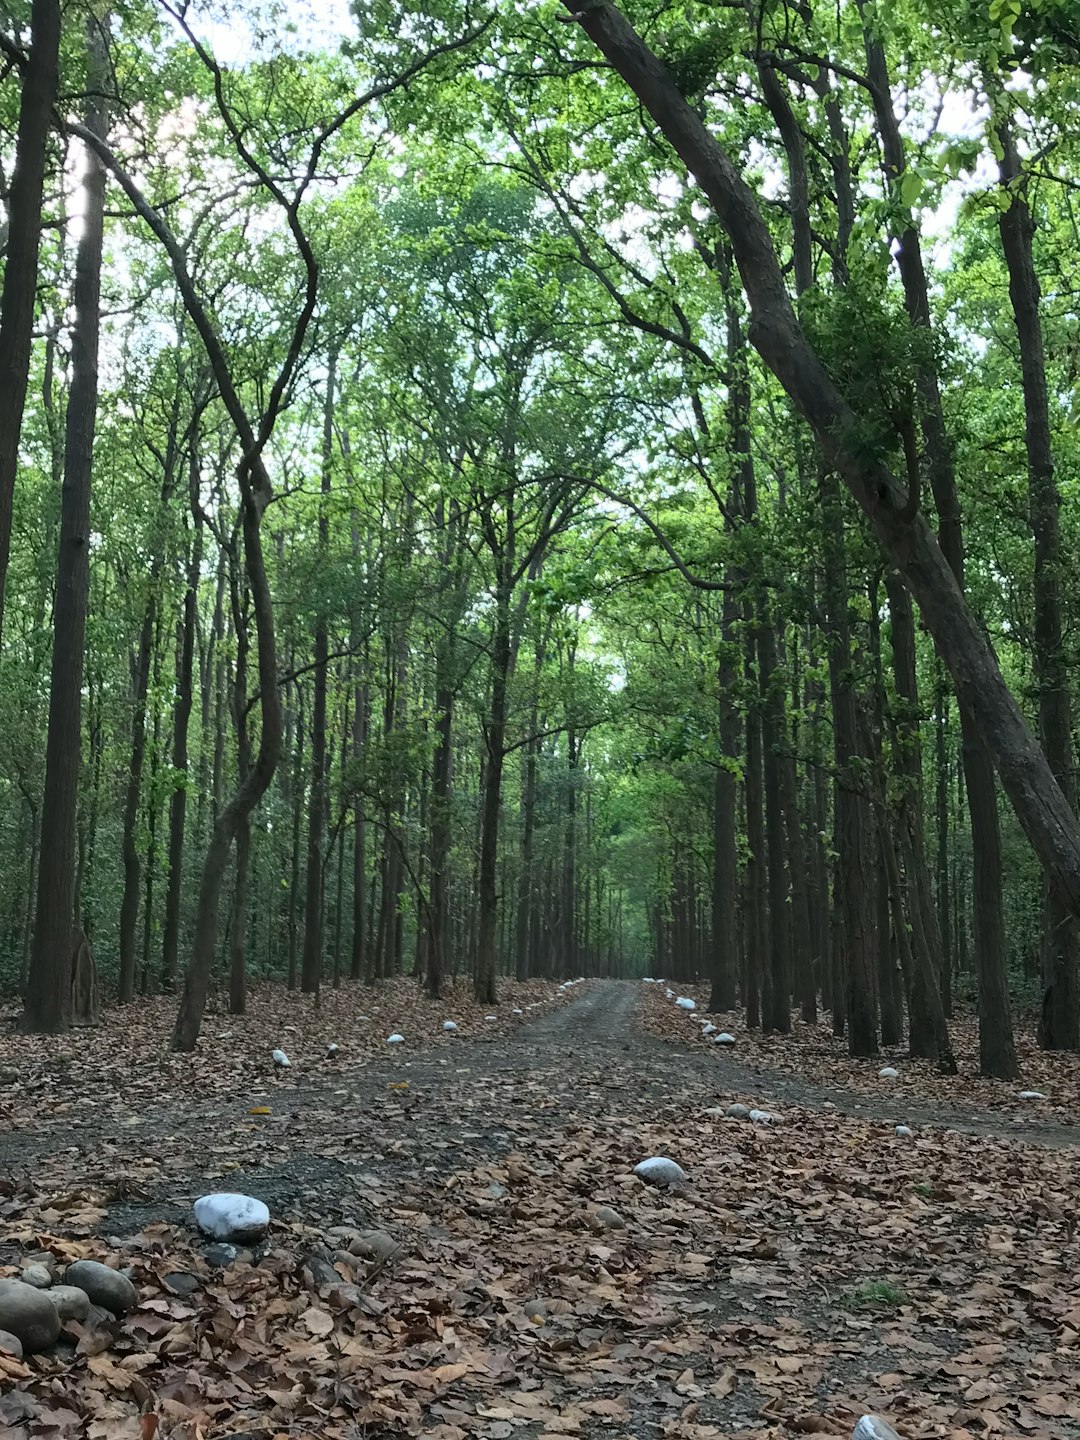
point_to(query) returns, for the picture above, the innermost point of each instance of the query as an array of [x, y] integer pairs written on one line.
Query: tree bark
[[1060, 1028], [48, 993], [312, 964], [494, 755], [19, 296], [185, 672]]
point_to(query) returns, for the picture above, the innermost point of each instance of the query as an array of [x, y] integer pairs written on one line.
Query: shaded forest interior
[[511, 494]]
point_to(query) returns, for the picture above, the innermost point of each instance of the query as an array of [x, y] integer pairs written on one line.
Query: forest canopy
[[532, 490]]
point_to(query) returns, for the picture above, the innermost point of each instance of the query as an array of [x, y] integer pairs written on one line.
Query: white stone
[[517, 1010], [708, 1028], [764, 1117], [395, 1039], [723, 1038], [1032, 1095], [491, 1017], [449, 1026], [685, 1003], [905, 1132], [738, 1111], [232, 1217], [872, 1427], [280, 1059], [670, 994], [331, 1051], [659, 1170], [888, 1072]]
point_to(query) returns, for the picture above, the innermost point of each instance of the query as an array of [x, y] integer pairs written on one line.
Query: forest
[[525, 491]]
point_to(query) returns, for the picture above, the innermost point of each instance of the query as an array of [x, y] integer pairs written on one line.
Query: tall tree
[[48, 994]]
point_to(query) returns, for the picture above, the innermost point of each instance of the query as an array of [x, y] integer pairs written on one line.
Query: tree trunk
[[185, 670], [1041, 808], [312, 966], [48, 992], [494, 750], [238, 928], [19, 297], [1060, 1029], [725, 940]]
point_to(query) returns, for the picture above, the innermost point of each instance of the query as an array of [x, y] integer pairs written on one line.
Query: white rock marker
[[723, 1038], [872, 1427], [449, 1026], [659, 1170], [1032, 1095], [905, 1132], [685, 1003], [280, 1059], [888, 1072], [238, 1218], [395, 1039]]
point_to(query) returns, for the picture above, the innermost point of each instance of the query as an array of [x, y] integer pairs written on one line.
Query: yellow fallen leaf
[[398, 1085], [260, 1110]]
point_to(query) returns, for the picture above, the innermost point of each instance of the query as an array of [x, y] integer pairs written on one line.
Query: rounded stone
[[71, 1302], [659, 1170], [11, 1344], [29, 1315], [738, 1111], [888, 1072], [109, 1288], [610, 1218], [239, 1218], [38, 1275]]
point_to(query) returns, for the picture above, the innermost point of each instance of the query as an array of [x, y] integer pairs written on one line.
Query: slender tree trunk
[[725, 799], [292, 923], [853, 843], [238, 921], [357, 962], [17, 304], [1060, 1028], [311, 969], [185, 670], [48, 992], [495, 741]]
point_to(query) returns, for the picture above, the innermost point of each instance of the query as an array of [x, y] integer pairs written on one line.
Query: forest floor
[[806, 1272]]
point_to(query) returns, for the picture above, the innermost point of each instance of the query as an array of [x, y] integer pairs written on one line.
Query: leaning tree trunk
[[1040, 806], [1060, 1029], [19, 297], [48, 993]]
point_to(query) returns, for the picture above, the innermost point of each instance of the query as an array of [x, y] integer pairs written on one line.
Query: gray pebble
[[38, 1275], [29, 1315], [109, 1288], [220, 1254], [11, 1344], [71, 1302]]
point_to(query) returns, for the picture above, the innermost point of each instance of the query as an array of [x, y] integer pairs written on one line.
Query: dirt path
[[820, 1269]]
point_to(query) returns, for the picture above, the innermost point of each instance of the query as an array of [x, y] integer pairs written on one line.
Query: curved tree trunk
[[1040, 806]]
